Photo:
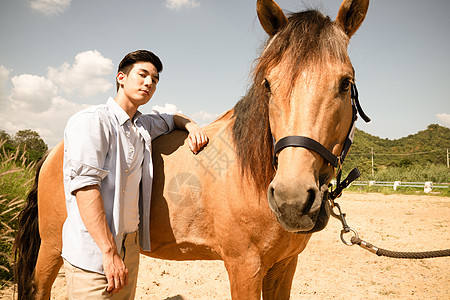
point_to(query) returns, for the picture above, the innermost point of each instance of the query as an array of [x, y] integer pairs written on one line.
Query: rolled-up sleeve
[[82, 175], [86, 146]]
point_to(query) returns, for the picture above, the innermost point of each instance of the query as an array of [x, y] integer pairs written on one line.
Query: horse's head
[[306, 77]]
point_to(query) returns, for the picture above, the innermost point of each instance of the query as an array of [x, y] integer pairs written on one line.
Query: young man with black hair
[[107, 162]]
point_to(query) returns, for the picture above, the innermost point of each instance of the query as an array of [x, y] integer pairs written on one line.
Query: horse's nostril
[[310, 201], [271, 191]]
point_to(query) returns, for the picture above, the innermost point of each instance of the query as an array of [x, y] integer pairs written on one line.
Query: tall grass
[[16, 178]]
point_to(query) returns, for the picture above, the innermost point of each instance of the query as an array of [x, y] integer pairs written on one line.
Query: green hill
[[426, 149]]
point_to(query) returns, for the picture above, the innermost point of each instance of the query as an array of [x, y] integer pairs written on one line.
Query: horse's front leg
[[245, 274], [277, 282]]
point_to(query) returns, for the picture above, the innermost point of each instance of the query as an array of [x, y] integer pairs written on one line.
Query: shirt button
[[126, 171], [123, 191]]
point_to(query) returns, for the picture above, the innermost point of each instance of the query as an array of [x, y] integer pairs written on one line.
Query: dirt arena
[[328, 268]]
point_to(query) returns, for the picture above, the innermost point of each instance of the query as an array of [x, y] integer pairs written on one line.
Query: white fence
[[427, 186]]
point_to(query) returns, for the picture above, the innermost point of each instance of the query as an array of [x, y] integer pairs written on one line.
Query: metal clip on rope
[[346, 228]]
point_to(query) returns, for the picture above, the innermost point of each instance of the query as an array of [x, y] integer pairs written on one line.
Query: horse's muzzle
[[302, 212]]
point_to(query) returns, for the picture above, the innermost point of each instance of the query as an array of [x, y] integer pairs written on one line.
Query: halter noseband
[[335, 161]]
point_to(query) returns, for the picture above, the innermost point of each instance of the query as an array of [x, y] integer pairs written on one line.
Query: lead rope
[[355, 240], [354, 174]]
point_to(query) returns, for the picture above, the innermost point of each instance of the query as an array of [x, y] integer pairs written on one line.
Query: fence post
[[372, 160]]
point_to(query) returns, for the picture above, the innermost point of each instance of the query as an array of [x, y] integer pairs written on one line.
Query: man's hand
[[115, 271], [197, 137], [92, 212]]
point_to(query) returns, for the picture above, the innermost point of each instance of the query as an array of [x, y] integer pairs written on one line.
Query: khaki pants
[[82, 284]]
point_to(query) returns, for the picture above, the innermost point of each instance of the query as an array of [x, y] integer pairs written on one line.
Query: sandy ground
[[328, 268]]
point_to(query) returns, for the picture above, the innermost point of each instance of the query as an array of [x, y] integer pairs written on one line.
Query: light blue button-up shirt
[[97, 152]]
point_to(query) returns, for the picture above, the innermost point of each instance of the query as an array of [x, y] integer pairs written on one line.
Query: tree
[[30, 141], [4, 136]]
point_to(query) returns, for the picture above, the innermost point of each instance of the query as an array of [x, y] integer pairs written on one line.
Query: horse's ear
[[351, 15], [270, 16]]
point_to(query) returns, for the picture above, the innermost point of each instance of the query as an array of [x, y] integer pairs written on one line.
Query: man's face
[[140, 83]]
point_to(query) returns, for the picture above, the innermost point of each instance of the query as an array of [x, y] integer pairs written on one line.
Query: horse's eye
[[267, 85], [345, 85]]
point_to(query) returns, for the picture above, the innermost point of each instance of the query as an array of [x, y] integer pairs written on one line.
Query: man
[[107, 163]]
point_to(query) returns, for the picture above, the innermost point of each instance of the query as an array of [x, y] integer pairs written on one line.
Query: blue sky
[[59, 56]]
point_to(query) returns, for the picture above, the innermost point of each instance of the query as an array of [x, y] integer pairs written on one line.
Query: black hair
[[131, 58]]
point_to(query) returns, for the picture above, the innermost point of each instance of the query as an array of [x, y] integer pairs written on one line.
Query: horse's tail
[[27, 242]]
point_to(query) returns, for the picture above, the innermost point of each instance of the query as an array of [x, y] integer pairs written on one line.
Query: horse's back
[[51, 199]]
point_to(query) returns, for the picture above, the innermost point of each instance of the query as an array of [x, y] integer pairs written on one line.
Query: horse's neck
[[221, 156]]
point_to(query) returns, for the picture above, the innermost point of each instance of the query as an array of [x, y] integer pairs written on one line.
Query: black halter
[[335, 161]]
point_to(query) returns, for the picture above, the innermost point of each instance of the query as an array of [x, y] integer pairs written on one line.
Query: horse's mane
[[308, 39]]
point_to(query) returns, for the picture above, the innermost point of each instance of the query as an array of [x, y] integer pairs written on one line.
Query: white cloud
[[49, 123], [179, 4], [85, 75], [32, 92], [444, 119], [204, 118], [50, 7], [36, 103], [167, 108]]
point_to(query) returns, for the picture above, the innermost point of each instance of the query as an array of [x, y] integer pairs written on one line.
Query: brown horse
[[214, 205]]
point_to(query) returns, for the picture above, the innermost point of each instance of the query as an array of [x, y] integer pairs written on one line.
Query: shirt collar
[[120, 114]]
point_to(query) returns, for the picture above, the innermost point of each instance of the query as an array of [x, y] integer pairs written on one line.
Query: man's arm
[[197, 137], [92, 211]]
